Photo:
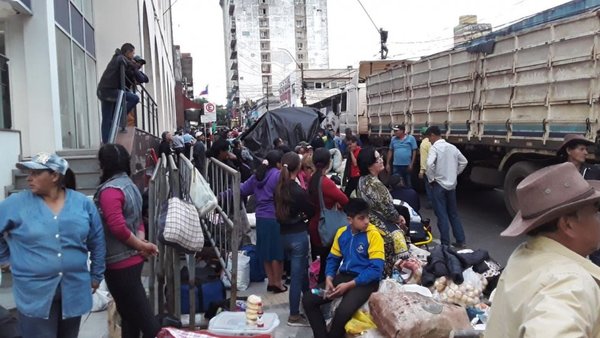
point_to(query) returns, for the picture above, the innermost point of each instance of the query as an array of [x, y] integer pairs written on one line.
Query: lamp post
[[301, 66]]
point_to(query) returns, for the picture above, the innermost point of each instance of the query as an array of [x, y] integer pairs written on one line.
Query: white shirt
[[444, 163]]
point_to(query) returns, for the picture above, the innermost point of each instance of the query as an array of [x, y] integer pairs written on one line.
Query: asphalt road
[[484, 217]]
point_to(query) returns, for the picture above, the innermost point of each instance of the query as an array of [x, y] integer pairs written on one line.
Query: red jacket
[[331, 195]]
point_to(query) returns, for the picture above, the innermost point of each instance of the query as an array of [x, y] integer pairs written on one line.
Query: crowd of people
[[287, 227], [50, 230]]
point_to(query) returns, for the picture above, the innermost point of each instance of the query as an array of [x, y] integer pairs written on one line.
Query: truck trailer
[[506, 99]]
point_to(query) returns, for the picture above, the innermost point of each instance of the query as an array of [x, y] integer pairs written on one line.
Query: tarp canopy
[[292, 124]]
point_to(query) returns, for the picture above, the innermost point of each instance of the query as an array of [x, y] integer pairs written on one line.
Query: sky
[[416, 28]]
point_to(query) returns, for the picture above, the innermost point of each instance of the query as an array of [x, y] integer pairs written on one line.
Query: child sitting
[[359, 247]]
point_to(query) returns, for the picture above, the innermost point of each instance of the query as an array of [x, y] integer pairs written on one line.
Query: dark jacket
[[111, 78], [444, 261], [301, 210], [164, 148]]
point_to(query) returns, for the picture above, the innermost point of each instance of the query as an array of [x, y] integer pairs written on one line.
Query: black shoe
[[459, 246], [288, 281], [274, 289]]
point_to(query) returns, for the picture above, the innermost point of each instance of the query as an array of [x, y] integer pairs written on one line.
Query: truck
[[506, 99]]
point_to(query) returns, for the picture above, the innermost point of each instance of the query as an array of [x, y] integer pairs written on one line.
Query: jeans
[[108, 111], [446, 211], [53, 327], [428, 191], [351, 302], [295, 247], [402, 170]]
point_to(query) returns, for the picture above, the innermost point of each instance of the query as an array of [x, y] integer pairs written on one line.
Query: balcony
[[233, 41], [234, 75], [234, 65], [233, 55], [231, 7]]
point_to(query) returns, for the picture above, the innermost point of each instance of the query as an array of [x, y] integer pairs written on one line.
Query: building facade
[[262, 47], [56, 52], [319, 84]]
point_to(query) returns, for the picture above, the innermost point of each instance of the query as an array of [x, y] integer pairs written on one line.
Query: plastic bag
[[201, 194], [361, 321], [243, 272], [313, 273], [100, 300]]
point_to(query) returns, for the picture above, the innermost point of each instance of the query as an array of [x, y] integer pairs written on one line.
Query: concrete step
[[77, 152]]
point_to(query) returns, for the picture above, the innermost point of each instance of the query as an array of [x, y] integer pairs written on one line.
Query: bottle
[[318, 292]]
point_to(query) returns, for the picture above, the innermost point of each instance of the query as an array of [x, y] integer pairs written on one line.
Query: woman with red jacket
[[332, 195]]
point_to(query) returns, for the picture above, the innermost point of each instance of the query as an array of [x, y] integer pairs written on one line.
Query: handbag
[[181, 226], [331, 220], [201, 194]]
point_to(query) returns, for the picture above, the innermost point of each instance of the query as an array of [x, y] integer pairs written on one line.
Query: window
[[5, 116], [264, 34], [265, 45], [300, 56], [299, 23], [266, 80], [245, 33], [263, 22], [263, 11], [266, 68], [310, 85], [76, 50], [265, 57], [318, 85], [300, 45]]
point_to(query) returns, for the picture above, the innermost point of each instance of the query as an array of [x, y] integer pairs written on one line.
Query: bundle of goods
[[466, 294], [254, 311], [410, 314]]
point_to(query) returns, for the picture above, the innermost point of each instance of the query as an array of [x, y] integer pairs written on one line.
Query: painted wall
[[11, 149]]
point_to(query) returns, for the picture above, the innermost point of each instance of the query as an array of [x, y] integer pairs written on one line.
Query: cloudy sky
[[415, 28]]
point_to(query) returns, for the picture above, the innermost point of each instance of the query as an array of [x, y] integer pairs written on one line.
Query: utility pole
[[383, 35], [303, 97]]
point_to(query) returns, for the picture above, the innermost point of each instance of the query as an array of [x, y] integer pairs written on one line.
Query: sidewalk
[[96, 326]]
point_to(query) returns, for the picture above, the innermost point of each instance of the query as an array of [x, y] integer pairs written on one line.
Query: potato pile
[[467, 294]]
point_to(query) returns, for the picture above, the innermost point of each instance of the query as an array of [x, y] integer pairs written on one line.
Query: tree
[[222, 116]]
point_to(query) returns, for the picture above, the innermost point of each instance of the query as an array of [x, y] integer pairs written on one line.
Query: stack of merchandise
[[254, 311]]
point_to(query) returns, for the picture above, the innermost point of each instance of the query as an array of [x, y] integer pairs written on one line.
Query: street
[[484, 217]]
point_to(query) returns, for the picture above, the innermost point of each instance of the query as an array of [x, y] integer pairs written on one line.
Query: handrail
[[149, 113], [119, 119]]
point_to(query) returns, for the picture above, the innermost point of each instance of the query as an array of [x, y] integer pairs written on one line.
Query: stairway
[[84, 164]]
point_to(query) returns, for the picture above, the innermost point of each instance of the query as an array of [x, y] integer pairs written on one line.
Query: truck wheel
[[516, 173]]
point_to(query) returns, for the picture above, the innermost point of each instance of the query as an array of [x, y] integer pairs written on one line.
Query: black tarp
[[293, 125]]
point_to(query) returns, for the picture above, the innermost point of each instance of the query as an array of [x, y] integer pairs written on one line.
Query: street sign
[[210, 113]]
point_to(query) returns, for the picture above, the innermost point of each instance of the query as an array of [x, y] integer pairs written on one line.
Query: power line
[[364, 9]]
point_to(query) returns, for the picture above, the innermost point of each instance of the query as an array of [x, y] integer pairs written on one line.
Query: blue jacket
[[46, 251], [360, 254]]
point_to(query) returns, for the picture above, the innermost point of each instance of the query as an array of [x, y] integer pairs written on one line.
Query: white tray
[[234, 323]]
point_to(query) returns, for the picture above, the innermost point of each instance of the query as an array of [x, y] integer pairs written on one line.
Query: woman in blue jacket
[[50, 229]]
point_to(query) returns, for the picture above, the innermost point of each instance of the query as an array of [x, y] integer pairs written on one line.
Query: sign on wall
[[210, 113]]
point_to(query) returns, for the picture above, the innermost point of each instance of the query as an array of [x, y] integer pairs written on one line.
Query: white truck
[[506, 100]]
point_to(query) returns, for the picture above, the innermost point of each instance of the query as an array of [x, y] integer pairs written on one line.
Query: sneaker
[[459, 246], [298, 321]]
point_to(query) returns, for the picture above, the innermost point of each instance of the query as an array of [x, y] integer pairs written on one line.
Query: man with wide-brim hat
[[549, 287], [574, 149]]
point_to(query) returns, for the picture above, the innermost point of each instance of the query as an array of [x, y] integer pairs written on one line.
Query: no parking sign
[[210, 113]]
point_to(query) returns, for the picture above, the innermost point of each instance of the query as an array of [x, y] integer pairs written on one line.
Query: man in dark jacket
[[120, 68]]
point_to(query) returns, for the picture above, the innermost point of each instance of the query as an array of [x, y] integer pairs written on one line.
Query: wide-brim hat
[[572, 139], [45, 161], [548, 194]]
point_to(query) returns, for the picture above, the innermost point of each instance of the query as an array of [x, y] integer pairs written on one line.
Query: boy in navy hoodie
[[358, 247]]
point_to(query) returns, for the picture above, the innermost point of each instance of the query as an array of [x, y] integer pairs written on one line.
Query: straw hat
[[549, 193]]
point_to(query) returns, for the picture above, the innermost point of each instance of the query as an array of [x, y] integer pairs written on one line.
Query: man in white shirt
[[444, 163]]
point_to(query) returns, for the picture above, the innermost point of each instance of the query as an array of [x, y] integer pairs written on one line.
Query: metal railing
[[222, 225], [147, 117], [221, 228], [119, 117]]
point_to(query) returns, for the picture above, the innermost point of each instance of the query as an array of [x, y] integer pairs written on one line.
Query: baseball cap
[[398, 127], [139, 59], [45, 161], [198, 134]]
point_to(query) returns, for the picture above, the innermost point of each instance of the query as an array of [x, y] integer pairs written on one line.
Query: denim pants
[[53, 327], [108, 111], [428, 190], [446, 211], [295, 247], [402, 170]]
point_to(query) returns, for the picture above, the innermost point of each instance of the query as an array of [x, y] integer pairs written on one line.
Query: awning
[[189, 104]]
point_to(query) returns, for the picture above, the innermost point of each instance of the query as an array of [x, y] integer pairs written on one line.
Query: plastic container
[[234, 323]]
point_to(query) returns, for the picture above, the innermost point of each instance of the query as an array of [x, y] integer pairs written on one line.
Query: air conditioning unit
[[9, 8]]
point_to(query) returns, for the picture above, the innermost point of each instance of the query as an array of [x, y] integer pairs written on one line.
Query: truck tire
[[516, 173]]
